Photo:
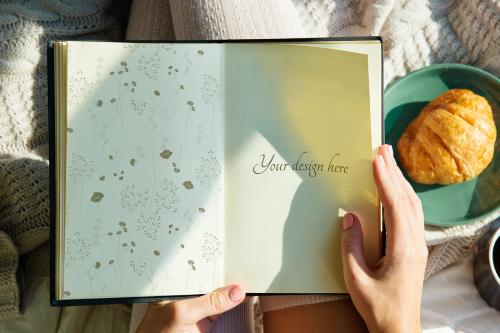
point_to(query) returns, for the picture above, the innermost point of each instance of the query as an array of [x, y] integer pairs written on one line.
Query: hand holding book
[[191, 315], [388, 295]]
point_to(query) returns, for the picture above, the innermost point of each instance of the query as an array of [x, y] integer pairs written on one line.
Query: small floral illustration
[[210, 88], [79, 87], [80, 168], [149, 65], [96, 197], [176, 168], [131, 46], [187, 62], [139, 107], [165, 48], [191, 105], [210, 91], [172, 229], [199, 135], [77, 249], [149, 225], [166, 196], [166, 154], [211, 250], [191, 267], [119, 174], [188, 185], [138, 267], [209, 168], [131, 197]]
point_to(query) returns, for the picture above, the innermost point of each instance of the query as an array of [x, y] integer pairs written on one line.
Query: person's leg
[[213, 19], [151, 20], [335, 316]]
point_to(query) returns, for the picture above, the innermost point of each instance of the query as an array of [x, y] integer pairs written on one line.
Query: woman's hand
[[190, 315], [388, 295]]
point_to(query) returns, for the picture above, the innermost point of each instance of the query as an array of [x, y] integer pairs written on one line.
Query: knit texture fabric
[[9, 293], [25, 27], [416, 33]]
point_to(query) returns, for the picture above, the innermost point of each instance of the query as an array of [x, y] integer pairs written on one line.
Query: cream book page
[[298, 154], [145, 170]]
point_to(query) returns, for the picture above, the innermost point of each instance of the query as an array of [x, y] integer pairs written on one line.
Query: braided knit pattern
[[416, 33], [25, 28]]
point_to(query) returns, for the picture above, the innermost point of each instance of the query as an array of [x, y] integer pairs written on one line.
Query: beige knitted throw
[[416, 33]]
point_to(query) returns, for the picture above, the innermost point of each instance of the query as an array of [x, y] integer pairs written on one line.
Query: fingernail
[[347, 221], [390, 150], [236, 294]]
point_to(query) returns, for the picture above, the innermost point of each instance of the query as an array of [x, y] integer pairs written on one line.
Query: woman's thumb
[[211, 304], [353, 257]]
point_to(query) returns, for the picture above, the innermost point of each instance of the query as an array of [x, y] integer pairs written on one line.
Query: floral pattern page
[[144, 164]]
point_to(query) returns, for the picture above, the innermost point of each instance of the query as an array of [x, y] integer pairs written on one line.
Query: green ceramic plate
[[446, 205]]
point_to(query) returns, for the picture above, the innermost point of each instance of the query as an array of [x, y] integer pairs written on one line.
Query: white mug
[[487, 265]]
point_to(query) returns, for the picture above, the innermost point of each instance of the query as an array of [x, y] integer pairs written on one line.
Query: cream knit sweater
[[416, 33]]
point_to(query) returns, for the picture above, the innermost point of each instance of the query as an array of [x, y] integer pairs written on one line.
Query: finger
[[388, 197], [191, 311], [395, 216], [353, 257], [412, 196], [398, 184]]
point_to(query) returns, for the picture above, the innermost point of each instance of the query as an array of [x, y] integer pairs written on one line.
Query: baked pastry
[[452, 139]]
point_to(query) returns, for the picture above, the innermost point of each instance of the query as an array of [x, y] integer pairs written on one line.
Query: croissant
[[452, 139]]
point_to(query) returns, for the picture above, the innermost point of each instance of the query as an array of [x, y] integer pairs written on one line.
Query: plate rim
[[491, 213]]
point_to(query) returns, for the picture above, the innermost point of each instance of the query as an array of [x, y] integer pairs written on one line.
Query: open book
[[177, 168]]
